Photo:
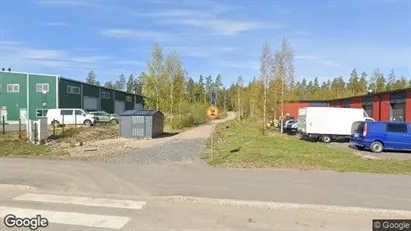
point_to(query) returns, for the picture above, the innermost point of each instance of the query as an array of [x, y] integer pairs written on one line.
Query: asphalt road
[[328, 188], [126, 212]]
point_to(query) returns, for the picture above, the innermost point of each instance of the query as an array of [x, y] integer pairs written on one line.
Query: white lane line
[[86, 201], [68, 218]]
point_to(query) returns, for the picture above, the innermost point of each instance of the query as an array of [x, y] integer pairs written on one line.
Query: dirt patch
[[107, 149]]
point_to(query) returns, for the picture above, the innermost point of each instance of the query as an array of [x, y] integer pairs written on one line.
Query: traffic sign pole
[[212, 114]]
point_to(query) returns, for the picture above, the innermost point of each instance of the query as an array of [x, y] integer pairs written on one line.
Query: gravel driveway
[[185, 147]]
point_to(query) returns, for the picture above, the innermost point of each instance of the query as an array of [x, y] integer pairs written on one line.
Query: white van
[[70, 116]]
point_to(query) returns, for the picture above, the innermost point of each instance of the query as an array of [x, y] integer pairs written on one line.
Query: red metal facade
[[381, 105], [356, 102], [292, 108], [408, 106]]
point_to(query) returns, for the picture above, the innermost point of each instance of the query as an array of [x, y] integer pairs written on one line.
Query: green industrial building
[[28, 96]]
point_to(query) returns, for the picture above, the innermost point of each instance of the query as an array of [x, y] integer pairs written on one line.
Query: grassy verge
[[11, 145], [241, 144]]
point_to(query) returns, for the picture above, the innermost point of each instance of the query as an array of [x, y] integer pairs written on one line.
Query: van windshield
[[357, 127]]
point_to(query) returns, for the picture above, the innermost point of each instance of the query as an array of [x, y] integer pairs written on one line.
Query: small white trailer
[[329, 123]]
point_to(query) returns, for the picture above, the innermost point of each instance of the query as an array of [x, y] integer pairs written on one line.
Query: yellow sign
[[212, 112]]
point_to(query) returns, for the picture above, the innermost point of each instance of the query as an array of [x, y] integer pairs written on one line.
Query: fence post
[[62, 124], [20, 129], [75, 120], [54, 129], [3, 125], [35, 133]]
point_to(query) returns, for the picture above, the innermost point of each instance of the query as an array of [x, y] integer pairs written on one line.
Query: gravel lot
[[372, 155], [183, 148]]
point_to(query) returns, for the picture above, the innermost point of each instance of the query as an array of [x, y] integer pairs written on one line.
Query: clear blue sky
[[330, 38]]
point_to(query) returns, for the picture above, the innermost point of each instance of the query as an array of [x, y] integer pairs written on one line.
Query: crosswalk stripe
[[68, 218], [85, 201]]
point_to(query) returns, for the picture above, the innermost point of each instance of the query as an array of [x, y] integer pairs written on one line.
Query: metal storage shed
[[141, 123]]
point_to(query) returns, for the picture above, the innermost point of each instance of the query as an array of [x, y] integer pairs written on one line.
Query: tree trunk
[[264, 108], [171, 101]]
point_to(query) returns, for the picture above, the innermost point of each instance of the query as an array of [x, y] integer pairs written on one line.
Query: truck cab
[[380, 136]]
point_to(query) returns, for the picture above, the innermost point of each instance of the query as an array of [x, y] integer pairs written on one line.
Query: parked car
[[288, 125], [70, 116], [380, 136], [285, 121], [105, 117], [329, 123]]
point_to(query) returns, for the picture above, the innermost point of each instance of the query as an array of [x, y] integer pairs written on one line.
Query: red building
[[383, 106]]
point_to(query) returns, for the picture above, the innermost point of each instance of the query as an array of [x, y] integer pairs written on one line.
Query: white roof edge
[[25, 73]]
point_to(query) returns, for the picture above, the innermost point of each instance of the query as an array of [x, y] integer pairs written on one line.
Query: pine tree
[[392, 79], [120, 83], [130, 87], [201, 89], [208, 88], [218, 85], [362, 84], [109, 85], [92, 79], [381, 83], [353, 85]]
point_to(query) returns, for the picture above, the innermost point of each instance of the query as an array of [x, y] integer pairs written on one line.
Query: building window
[[398, 112], [73, 90], [129, 99], [13, 87], [41, 112], [105, 95], [42, 87]]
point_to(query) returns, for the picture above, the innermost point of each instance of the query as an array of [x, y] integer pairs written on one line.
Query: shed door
[[90, 103], [119, 107], [398, 112]]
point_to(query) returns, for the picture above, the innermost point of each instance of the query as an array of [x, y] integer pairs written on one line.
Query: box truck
[[329, 123]]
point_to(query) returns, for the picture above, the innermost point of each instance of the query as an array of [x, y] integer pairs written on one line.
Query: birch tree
[[266, 62], [155, 70]]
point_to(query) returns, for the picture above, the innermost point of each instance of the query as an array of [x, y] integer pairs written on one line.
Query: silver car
[[105, 117]]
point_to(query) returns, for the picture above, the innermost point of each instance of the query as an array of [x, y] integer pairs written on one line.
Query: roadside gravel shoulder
[[185, 147]]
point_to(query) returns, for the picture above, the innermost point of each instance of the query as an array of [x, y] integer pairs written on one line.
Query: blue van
[[380, 136]]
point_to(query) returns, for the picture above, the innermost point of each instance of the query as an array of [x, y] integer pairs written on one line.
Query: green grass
[[241, 144], [11, 145]]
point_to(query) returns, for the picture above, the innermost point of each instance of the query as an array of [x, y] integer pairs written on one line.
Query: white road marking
[[85, 201], [68, 218], [284, 206]]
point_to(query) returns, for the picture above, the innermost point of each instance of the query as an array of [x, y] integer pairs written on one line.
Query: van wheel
[[326, 139], [55, 123], [87, 123], [377, 147], [114, 122]]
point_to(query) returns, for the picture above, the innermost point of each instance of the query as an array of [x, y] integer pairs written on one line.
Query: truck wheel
[[326, 139], [114, 121], [377, 147]]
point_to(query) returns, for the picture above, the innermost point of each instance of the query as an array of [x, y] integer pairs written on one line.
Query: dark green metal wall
[[67, 100], [36, 99], [13, 100], [29, 98], [130, 105], [91, 91], [107, 104]]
